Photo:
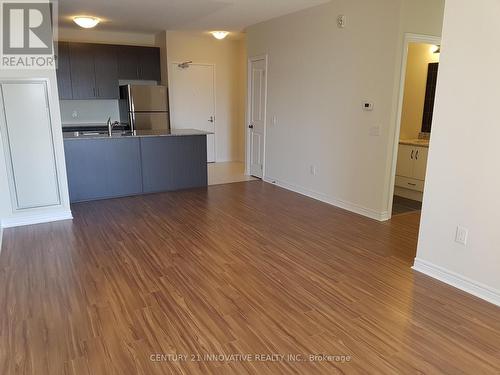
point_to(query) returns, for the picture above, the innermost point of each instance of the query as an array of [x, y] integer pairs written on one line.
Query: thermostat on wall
[[367, 106]]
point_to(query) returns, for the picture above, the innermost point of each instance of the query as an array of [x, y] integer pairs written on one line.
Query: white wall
[[318, 77], [161, 42], [7, 215], [105, 37], [89, 112], [463, 185], [228, 55]]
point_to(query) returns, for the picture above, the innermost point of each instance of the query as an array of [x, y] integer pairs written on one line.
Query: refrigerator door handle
[[132, 121]]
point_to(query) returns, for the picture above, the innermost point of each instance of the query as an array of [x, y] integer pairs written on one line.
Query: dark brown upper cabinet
[[64, 71], [106, 72], [94, 71], [142, 63], [149, 64], [82, 71], [128, 63]]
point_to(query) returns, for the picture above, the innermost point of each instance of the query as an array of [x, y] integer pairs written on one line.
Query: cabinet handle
[[93, 91], [412, 152], [416, 155], [411, 184]]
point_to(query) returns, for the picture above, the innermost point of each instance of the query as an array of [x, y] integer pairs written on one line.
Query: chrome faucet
[[111, 125]]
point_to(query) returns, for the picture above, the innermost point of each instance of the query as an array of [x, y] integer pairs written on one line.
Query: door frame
[[251, 60], [408, 38], [214, 78]]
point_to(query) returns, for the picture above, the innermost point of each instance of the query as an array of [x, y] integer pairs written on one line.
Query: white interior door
[[257, 117], [28, 144], [192, 100]]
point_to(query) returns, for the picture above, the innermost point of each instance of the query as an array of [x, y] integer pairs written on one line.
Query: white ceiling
[[157, 15]]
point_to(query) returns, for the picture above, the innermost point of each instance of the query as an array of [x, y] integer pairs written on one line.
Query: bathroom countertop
[[415, 142]]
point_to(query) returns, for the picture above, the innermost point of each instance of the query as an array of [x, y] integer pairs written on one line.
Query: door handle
[[211, 119], [250, 126], [412, 152]]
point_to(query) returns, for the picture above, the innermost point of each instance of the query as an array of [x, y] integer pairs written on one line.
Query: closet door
[[28, 144]]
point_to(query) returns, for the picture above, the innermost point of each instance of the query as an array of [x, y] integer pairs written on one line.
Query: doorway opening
[[414, 127]]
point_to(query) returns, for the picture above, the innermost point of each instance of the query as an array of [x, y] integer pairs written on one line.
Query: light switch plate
[[461, 235], [375, 131]]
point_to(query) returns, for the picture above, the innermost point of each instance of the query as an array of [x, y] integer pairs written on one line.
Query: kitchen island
[[100, 166]]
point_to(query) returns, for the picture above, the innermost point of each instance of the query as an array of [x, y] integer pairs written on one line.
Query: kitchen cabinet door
[[405, 163], [64, 71], [420, 166], [103, 168], [128, 62], [82, 71], [149, 64], [173, 163], [106, 72]]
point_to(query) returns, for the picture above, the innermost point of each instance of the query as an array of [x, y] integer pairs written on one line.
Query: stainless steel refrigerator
[[144, 107]]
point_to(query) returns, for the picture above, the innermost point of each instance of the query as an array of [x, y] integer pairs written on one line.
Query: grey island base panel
[[101, 168]]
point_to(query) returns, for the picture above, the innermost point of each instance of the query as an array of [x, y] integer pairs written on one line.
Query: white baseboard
[[380, 216], [458, 281], [37, 218]]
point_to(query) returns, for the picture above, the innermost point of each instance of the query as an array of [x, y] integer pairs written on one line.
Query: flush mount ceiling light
[[219, 34], [86, 22]]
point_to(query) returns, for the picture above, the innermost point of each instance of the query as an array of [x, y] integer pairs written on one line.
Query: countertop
[[415, 142], [137, 133], [91, 127]]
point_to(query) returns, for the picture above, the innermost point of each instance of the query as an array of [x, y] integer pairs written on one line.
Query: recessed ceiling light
[[86, 22], [219, 34]]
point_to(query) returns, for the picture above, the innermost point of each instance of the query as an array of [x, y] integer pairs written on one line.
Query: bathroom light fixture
[[436, 48], [86, 22], [219, 34]]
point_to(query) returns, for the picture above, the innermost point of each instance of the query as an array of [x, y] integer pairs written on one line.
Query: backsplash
[[75, 112]]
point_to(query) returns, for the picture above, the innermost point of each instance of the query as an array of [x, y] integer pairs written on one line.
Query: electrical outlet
[[275, 120], [313, 170], [461, 235]]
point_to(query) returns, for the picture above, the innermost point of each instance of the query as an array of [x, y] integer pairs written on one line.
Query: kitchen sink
[[102, 134]]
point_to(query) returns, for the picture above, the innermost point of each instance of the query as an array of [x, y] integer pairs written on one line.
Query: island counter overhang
[[102, 167]]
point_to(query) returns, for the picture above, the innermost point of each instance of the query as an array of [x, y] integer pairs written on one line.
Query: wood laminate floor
[[243, 269]]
